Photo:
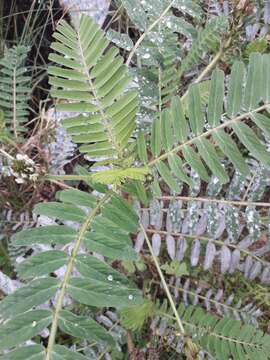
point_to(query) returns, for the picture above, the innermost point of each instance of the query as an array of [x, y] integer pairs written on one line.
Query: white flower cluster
[[25, 170], [21, 167]]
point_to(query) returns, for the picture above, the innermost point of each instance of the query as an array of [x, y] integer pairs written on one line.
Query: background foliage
[[140, 181]]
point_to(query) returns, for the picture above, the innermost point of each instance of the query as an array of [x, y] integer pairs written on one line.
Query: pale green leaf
[[235, 91], [196, 117], [83, 327], [35, 293], [23, 327], [42, 264], [98, 293], [32, 352], [215, 104], [52, 234]]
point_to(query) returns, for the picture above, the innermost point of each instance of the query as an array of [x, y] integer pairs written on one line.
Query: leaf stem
[[70, 265], [147, 31], [206, 239], [210, 66], [163, 281], [218, 201], [14, 105]]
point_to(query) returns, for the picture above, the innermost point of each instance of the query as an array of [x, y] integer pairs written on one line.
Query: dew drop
[[146, 56], [110, 278]]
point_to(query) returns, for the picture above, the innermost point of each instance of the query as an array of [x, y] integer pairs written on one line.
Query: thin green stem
[[59, 303], [210, 66], [218, 201], [147, 31], [3, 152], [163, 281]]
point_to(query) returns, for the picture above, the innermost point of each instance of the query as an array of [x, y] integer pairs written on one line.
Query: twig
[[163, 281], [147, 31], [218, 201], [210, 66]]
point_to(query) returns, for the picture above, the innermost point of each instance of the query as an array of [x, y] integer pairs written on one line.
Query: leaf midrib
[[70, 265], [111, 136]]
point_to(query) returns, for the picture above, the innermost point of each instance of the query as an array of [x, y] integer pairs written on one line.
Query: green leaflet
[[230, 149], [133, 317], [83, 328], [167, 134], [141, 146], [216, 96], [235, 90], [98, 293], [117, 176], [65, 212], [33, 352], [179, 122], [77, 198], [23, 327], [176, 165], [62, 353], [252, 143], [266, 78], [164, 172], [195, 114], [92, 268], [54, 234], [35, 293], [195, 162], [253, 88], [119, 245], [156, 137], [42, 264], [208, 153], [121, 40], [262, 122]]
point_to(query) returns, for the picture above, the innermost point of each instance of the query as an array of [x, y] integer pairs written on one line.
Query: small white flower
[[19, 180]]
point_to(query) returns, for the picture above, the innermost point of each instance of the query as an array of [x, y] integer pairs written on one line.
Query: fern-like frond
[[101, 225], [207, 40], [90, 81], [14, 89], [222, 338], [211, 128]]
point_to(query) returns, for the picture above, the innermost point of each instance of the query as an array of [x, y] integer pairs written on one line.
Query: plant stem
[[63, 286], [147, 31], [163, 281], [210, 66], [218, 201], [3, 152]]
